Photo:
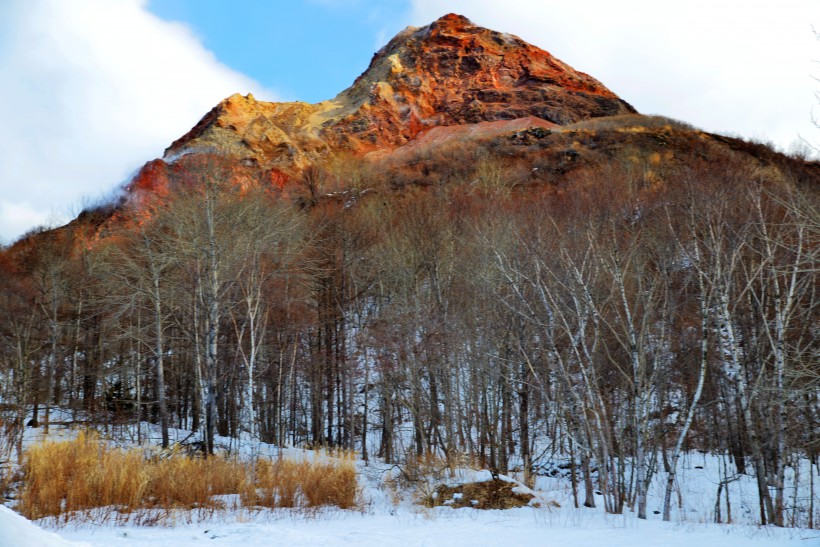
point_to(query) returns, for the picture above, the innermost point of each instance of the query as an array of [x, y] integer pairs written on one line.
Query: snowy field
[[385, 519], [445, 527]]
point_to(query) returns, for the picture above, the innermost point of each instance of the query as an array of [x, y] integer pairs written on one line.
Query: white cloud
[[14, 215], [91, 90], [732, 66]]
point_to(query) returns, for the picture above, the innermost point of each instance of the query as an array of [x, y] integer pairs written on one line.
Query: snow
[[446, 527], [16, 531], [383, 520]]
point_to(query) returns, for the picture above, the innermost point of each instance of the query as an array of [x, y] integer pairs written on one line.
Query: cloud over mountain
[[91, 90]]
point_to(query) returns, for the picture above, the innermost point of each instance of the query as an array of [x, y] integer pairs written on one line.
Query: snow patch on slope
[[16, 530]]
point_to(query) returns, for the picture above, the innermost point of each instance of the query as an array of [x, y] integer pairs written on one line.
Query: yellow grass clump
[[179, 481], [64, 477], [289, 483], [86, 478]]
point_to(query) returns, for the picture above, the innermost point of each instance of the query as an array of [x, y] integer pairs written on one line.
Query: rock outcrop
[[448, 73]]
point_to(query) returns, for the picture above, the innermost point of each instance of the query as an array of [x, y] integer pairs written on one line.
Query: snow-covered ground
[[384, 520], [444, 526], [16, 531]]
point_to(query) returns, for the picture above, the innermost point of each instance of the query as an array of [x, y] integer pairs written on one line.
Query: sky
[[92, 89]]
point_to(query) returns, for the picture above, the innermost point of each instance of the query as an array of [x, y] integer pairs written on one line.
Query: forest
[[514, 310]]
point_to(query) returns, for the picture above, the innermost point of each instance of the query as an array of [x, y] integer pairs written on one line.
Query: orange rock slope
[[448, 73]]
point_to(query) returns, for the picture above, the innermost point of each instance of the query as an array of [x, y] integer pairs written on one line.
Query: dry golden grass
[[276, 484], [64, 477], [288, 483], [179, 481], [85, 478], [331, 483]]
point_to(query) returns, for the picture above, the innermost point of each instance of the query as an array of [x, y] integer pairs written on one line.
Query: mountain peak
[[450, 72], [451, 21]]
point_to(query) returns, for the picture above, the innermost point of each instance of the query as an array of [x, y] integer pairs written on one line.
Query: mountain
[[431, 98], [448, 73]]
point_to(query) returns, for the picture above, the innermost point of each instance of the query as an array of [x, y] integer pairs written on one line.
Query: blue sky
[[301, 50], [92, 89]]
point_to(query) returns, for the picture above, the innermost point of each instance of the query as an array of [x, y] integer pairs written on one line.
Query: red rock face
[[151, 179], [448, 73], [452, 72]]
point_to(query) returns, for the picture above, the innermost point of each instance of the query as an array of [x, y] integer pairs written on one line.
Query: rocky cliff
[[448, 73]]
